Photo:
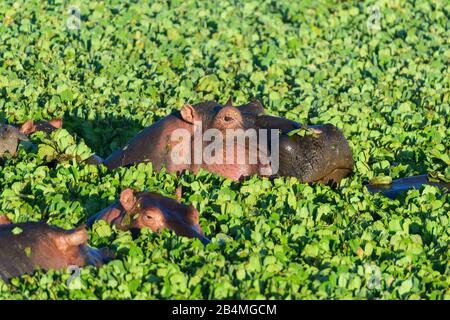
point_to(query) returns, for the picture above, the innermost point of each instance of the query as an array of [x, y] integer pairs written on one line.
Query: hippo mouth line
[[336, 175]]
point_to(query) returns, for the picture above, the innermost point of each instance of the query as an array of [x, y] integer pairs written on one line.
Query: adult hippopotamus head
[[323, 158], [181, 135], [9, 139], [41, 246], [10, 136], [137, 210], [311, 154]]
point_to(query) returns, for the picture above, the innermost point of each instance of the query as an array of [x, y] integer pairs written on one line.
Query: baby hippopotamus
[[26, 247], [10, 136], [136, 210]]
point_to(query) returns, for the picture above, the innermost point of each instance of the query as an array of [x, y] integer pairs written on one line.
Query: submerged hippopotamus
[[26, 247], [10, 136], [31, 126], [9, 139], [398, 186], [136, 210], [321, 158]]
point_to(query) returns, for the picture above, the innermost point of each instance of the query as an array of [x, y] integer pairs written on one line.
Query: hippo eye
[[148, 216], [228, 118]]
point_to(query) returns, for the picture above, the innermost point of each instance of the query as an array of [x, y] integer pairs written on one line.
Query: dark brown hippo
[[26, 247], [137, 210], [323, 158], [9, 139], [31, 126], [10, 136], [398, 186]]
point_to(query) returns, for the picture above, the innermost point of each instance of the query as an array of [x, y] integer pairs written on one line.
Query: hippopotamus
[[4, 220], [10, 136], [321, 156], [312, 159], [26, 247], [398, 186], [31, 126], [156, 143], [135, 210]]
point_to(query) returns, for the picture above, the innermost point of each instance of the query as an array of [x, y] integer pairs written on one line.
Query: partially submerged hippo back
[[398, 186], [137, 210], [26, 247], [322, 156]]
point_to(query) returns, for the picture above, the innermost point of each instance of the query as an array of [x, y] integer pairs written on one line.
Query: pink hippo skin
[[155, 143], [136, 210], [41, 246], [311, 160], [4, 220], [31, 126]]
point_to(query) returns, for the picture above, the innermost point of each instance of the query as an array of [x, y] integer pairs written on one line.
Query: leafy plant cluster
[[131, 63]]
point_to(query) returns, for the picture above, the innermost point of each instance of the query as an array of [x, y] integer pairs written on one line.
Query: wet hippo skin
[[322, 157], [10, 136], [155, 143], [137, 210], [401, 185], [329, 154], [41, 246]]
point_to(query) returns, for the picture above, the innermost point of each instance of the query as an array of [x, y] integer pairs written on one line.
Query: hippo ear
[[192, 214], [257, 106], [229, 102], [4, 220], [188, 113], [72, 238], [253, 107], [179, 193], [28, 127], [127, 199], [57, 123]]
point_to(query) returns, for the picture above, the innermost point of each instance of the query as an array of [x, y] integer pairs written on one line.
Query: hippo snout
[[323, 156]]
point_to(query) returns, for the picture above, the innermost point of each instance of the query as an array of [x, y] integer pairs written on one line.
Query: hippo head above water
[[159, 142], [137, 210], [31, 126], [10, 136], [9, 139], [41, 246], [224, 133]]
